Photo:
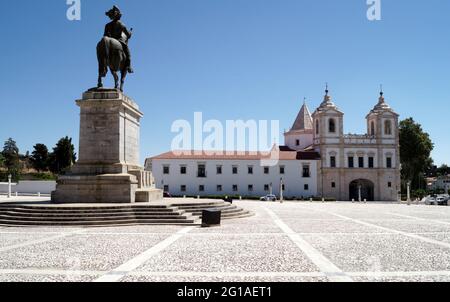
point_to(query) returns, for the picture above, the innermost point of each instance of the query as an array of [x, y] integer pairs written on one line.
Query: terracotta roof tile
[[235, 155]]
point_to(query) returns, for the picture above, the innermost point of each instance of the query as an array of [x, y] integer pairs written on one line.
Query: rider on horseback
[[117, 30]]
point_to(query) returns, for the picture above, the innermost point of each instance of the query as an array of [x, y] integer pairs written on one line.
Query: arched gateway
[[367, 190]]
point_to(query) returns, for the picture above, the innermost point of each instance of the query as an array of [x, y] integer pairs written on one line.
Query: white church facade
[[318, 160]]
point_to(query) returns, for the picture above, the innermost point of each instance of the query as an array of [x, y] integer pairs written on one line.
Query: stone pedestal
[[108, 169]]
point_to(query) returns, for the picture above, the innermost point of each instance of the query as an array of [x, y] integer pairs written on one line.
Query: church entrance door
[[364, 187]]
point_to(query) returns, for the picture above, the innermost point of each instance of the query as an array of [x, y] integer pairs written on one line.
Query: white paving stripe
[[121, 271], [420, 218], [333, 273], [37, 241], [415, 236]]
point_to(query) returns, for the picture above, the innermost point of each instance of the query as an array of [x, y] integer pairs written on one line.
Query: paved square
[[311, 242]]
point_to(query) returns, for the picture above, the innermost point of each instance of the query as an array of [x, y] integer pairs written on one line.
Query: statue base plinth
[[108, 169]]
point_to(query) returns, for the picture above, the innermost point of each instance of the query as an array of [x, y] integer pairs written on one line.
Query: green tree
[[63, 156], [443, 170], [415, 151], [2, 160], [11, 158], [39, 158]]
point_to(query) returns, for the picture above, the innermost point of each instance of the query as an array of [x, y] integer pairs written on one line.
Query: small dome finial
[[381, 90], [326, 89]]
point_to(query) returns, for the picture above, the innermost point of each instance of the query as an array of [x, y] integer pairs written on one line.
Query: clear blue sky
[[230, 59]]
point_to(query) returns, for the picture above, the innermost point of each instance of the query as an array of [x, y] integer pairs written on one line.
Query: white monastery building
[[318, 160]]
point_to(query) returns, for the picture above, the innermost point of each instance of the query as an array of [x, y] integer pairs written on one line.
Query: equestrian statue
[[113, 51]]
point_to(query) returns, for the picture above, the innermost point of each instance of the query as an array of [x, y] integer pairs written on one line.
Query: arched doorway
[[367, 189]]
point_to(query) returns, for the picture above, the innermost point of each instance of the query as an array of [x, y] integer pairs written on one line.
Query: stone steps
[[92, 218], [89, 207], [87, 211], [112, 215], [199, 204], [87, 214], [229, 211], [13, 223]]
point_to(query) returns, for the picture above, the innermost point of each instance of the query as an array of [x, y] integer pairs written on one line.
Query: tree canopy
[[63, 156], [11, 158], [39, 158], [415, 151]]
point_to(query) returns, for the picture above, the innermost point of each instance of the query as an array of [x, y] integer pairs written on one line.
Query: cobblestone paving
[[310, 242]]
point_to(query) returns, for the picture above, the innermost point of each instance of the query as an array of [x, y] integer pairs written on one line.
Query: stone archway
[[367, 190]]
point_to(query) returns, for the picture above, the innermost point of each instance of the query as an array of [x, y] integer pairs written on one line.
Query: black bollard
[[211, 218]]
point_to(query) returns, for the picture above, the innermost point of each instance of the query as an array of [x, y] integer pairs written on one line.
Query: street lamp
[[359, 193], [281, 190], [9, 185], [408, 192]]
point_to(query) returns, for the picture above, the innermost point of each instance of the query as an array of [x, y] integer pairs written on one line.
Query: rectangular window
[[219, 170], [201, 171], [282, 170], [267, 188], [166, 170], [333, 185], [389, 162], [250, 188], [306, 187], [235, 188], [350, 162], [219, 188], [166, 188], [361, 162], [306, 171], [283, 187], [183, 170], [389, 184], [183, 188], [250, 169], [235, 170], [371, 162], [266, 170], [297, 142], [201, 188], [333, 161]]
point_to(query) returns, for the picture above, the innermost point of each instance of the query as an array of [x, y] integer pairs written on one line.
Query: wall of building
[[293, 178], [342, 175], [441, 183], [30, 187], [305, 139]]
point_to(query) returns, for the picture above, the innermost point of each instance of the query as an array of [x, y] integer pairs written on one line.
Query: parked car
[[442, 201], [268, 198], [431, 201]]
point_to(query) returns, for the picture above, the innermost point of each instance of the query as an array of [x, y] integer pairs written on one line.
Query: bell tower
[[382, 121], [301, 134], [328, 122]]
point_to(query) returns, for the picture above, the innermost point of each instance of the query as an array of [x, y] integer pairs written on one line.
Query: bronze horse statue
[[110, 54]]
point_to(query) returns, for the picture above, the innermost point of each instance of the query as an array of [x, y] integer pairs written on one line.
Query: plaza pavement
[[281, 242]]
